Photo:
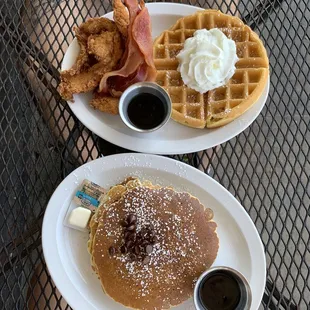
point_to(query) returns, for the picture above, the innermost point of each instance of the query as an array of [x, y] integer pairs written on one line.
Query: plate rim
[[181, 146], [53, 262]]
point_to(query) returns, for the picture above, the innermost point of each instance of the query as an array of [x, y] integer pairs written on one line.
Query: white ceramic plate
[[172, 138], [65, 249]]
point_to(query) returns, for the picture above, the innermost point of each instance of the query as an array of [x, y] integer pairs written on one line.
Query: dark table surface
[[266, 167]]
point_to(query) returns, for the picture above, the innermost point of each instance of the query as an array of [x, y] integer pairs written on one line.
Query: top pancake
[[187, 245], [113, 195]]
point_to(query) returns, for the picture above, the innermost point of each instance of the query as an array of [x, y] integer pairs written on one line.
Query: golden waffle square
[[224, 104]]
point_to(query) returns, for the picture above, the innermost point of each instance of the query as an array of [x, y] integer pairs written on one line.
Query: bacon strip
[[122, 83], [142, 34], [138, 58]]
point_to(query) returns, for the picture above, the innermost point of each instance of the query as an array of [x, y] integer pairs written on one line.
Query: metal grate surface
[[266, 167]]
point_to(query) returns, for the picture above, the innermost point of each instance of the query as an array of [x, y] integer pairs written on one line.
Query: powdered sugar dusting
[[177, 252]]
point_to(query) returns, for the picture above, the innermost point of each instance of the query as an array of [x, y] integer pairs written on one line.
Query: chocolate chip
[[138, 240], [148, 249], [143, 232], [131, 227], [112, 250], [137, 249], [127, 235], [154, 240], [132, 236], [132, 257], [129, 244], [124, 249], [145, 243], [124, 223], [146, 260], [131, 219]]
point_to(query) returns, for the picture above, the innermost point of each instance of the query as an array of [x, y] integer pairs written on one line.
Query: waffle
[[224, 104]]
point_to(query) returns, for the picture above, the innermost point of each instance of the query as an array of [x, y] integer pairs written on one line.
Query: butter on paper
[[83, 205]]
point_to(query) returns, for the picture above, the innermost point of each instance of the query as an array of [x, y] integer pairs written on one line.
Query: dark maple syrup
[[146, 111], [220, 291]]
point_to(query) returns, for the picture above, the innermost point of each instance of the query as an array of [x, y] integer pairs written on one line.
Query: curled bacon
[[137, 62]]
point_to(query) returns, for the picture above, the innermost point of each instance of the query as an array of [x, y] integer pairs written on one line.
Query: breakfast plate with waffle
[[199, 120]]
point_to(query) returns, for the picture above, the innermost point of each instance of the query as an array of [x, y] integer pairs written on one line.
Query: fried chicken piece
[[82, 61], [96, 25], [106, 47], [93, 26], [82, 82], [121, 17], [105, 103]]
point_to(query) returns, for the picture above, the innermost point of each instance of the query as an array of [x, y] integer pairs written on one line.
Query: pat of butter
[[79, 217]]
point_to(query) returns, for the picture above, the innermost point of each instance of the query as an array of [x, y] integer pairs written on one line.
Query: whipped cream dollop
[[207, 60]]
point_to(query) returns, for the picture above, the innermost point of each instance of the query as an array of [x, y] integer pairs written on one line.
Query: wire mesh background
[[266, 167]]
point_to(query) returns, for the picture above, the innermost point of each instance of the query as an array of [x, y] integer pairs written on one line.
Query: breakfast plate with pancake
[[156, 225], [210, 106]]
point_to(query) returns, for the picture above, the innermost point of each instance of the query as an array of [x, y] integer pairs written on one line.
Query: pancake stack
[[149, 244]]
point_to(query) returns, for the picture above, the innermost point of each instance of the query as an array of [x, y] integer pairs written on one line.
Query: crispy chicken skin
[[106, 47], [105, 103], [82, 61], [81, 82], [96, 25], [121, 16]]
